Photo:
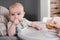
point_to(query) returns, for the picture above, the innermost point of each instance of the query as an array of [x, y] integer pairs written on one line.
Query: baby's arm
[[12, 28], [35, 25]]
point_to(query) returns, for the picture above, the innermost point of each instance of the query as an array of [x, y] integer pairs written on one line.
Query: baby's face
[[16, 14]]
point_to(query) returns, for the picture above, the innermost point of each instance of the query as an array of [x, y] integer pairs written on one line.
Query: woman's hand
[[58, 35], [55, 24]]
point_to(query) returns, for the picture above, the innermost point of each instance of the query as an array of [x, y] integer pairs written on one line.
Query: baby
[[17, 21]]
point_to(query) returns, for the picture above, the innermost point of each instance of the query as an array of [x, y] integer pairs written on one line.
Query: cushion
[[4, 11]]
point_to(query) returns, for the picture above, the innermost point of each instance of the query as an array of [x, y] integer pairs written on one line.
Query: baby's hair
[[16, 5]]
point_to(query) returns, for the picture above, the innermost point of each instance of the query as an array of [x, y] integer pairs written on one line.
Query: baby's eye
[[12, 14], [18, 13]]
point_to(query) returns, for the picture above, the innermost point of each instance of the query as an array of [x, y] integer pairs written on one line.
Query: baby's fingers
[[38, 28]]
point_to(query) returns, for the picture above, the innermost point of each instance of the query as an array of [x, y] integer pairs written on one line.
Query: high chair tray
[[33, 34]]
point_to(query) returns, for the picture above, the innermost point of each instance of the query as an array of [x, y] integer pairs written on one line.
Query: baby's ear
[[24, 12]]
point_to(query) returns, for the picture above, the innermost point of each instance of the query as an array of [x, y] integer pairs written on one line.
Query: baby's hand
[[38, 27], [16, 21], [35, 25], [20, 19]]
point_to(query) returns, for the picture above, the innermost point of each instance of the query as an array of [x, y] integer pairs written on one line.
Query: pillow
[[4, 11]]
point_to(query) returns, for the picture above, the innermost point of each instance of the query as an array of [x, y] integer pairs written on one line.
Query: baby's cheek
[[20, 17], [11, 18]]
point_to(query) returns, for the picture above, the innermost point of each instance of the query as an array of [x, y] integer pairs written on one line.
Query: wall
[[44, 8]]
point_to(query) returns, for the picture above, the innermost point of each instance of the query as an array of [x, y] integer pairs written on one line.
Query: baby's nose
[[16, 16]]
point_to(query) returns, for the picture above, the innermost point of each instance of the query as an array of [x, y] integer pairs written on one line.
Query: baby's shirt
[[22, 25]]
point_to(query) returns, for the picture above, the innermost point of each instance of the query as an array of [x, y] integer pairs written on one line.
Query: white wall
[[45, 11]]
